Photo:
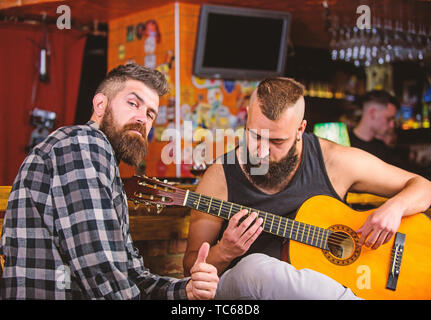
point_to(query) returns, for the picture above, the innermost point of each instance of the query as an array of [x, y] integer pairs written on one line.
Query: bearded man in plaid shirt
[[66, 228]]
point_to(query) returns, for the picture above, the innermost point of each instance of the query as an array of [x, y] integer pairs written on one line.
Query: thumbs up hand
[[204, 279]]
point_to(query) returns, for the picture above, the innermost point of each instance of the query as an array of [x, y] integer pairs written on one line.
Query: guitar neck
[[274, 224]]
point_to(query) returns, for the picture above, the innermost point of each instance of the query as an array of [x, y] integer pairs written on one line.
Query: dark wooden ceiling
[[308, 16]]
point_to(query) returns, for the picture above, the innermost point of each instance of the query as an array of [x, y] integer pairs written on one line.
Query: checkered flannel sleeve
[[72, 183], [94, 237]]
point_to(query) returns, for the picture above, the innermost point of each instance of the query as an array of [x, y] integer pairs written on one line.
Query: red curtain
[[21, 90]]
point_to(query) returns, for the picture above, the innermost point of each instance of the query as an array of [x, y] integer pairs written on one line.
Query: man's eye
[[150, 115], [277, 143], [254, 135], [133, 104]]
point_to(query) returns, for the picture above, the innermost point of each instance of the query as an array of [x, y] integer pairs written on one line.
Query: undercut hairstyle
[[275, 95], [380, 97], [115, 80]]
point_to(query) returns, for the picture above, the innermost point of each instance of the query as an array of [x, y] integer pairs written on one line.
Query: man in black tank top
[[278, 168]]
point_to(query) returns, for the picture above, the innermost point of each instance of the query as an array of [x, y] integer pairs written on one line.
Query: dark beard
[[128, 147], [277, 171]]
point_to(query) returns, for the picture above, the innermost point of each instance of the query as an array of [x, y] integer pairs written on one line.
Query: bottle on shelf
[[426, 105], [425, 115]]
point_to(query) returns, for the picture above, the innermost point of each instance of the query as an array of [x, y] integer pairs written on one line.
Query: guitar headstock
[[151, 191]]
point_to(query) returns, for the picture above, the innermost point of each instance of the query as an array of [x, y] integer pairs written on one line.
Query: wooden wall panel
[[308, 23], [18, 3]]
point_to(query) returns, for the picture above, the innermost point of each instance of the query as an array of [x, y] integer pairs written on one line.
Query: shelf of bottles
[[411, 117], [323, 90], [327, 90]]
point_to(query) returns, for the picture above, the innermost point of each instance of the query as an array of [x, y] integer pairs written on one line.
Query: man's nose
[[142, 121], [262, 148], [141, 118]]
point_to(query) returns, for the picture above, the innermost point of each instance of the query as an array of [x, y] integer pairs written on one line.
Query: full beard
[[277, 171], [128, 146]]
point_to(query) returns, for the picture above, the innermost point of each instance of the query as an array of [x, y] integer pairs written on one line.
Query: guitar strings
[[325, 232], [274, 219], [332, 237], [321, 232]]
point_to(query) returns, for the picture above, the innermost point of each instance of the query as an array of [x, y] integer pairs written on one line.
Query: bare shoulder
[[353, 169], [340, 159], [213, 182], [335, 157], [334, 153]]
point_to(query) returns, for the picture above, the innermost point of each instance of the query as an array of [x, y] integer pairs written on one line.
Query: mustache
[[256, 161], [137, 127]]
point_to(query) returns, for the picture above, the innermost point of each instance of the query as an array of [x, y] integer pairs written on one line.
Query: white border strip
[[177, 90]]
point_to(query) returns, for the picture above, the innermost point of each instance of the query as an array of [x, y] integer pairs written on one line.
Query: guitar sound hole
[[341, 245]]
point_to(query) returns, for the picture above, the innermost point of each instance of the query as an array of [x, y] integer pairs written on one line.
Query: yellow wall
[[205, 102], [121, 50]]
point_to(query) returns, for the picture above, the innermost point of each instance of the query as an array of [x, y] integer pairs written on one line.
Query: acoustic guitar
[[324, 240]]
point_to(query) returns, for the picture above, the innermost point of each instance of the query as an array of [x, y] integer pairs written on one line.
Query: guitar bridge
[[397, 254]]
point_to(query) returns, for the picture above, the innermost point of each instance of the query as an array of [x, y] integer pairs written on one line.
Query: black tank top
[[310, 180]]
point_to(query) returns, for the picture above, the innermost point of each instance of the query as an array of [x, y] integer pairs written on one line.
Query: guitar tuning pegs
[[165, 181], [148, 207], [136, 204], [159, 208]]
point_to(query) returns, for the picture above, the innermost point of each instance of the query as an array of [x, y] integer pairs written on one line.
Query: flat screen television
[[241, 43]]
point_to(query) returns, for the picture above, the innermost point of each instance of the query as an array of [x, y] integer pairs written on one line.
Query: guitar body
[[323, 238], [367, 275]]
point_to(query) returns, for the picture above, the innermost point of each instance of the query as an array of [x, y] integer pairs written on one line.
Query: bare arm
[[236, 239], [351, 169]]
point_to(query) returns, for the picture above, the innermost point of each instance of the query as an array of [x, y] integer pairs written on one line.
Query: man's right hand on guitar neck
[[239, 235]]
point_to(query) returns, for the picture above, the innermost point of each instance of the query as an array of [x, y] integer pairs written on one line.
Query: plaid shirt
[[66, 227]]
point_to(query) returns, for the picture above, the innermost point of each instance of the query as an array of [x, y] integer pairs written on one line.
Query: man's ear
[[372, 111], [100, 102], [301, 129]]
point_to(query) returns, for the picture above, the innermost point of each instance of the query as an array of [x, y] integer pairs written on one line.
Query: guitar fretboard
[[274, 224]]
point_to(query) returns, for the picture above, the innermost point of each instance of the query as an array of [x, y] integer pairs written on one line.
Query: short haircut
[[116, 78], [381, 97], [275, 95]]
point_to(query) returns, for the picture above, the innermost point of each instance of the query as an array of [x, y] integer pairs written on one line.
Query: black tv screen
[[241, 43]]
